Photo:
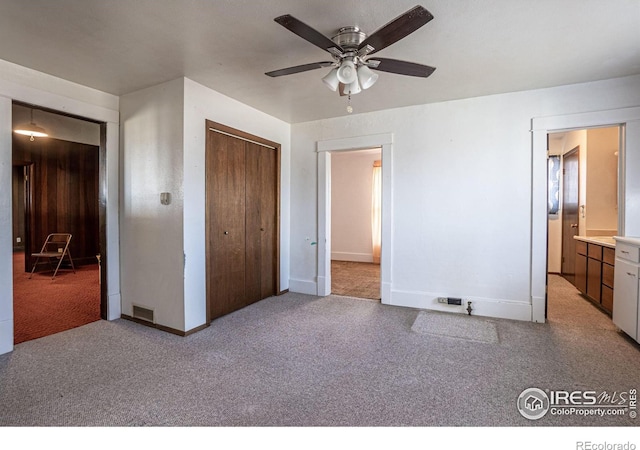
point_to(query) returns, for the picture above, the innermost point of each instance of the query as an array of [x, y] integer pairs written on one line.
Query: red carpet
[[42, 307]]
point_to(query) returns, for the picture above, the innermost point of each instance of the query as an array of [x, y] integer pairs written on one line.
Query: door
[[242, 192], [570, 200], [261, 172], [226, 224], [269, 188]]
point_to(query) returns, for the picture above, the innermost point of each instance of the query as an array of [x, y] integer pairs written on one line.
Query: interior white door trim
[[10, 91], [629, 192], [324, 149]]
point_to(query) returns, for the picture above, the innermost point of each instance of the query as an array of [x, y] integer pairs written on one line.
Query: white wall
[[151, 233], [462, 192], [351, 183], [36, 88], [573, 139], [602, 182]]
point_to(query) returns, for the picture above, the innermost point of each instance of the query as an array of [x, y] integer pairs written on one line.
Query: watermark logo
[[534, 403], [588, 445]]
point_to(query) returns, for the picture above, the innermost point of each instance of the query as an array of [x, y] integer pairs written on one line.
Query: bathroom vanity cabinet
[[626, 313], [594, 271]]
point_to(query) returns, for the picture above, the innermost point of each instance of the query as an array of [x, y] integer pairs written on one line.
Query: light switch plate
[[165, 198]]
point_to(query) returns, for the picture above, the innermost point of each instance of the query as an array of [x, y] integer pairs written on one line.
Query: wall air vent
[[143, 313]]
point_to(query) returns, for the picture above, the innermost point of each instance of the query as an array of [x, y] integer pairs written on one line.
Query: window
[[553, 173]]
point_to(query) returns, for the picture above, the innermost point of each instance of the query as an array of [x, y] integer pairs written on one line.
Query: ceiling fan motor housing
[[349, 38]]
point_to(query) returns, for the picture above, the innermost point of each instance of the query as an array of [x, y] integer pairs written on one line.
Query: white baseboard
[[355, 257], [486, 307], [6, 336], [323, 287], [385, 293], [303, 286], [538, 309], [114, 306], [502, 309]]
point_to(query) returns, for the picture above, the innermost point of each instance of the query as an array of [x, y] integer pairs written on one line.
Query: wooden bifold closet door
[[242, 173]]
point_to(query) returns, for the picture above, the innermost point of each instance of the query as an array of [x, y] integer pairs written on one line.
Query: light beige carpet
[[456, 326]]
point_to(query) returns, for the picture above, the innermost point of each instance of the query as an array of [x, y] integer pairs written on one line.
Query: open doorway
[[325, 151], [356, 191], [56, 189], [581, 248], [628, 120]]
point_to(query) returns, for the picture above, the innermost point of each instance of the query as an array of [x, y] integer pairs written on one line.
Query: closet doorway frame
[[242, 135]]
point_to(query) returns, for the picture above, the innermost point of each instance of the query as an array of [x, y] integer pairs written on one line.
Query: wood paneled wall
[[17, 200], [63, 195]]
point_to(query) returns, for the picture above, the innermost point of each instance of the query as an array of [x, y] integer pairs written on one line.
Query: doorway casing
[[10, 92], [324, 149], [629, 193]]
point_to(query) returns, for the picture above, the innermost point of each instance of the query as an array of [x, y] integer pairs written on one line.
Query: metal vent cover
[[143, 313]]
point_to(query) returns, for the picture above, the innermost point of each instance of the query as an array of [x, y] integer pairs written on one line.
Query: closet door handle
[[261, 229], [226, 232]]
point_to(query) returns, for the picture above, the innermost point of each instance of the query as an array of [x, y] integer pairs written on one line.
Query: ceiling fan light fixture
[[351, 70], [331, 79], [352, 88], [366, 77], [347, 72]]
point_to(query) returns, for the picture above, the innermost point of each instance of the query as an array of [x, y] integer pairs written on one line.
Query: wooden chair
[[56, 246]]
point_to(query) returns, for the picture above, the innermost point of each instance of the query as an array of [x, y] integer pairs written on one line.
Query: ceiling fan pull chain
[[349, 107]]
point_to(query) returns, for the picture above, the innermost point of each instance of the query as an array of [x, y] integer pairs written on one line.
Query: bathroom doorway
[[581, 231]]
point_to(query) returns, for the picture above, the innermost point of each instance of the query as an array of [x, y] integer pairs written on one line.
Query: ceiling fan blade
[[298, 69], [306, 32], [402, 67], [397, 29]]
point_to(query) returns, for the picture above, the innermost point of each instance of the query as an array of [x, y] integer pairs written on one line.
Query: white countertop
[[605, 241], [628, 239]]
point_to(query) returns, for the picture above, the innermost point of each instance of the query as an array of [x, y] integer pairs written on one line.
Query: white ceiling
[[478, 47]]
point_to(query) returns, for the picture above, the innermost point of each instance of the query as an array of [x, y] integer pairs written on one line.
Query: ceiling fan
[[351, 50]]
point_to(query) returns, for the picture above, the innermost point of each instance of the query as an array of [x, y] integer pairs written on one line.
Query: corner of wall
[[6, 261]]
